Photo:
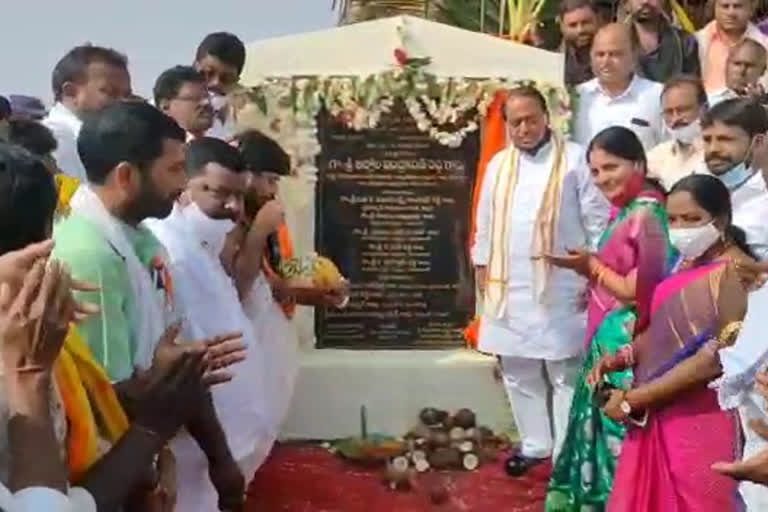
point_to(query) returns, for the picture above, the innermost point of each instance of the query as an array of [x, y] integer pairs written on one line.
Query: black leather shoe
[[518, 465]]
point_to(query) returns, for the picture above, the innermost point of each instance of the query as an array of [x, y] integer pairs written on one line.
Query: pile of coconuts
[[442, 441]]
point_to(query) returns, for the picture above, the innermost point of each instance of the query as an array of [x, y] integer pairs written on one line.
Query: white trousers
[[528, 383], [755, 495]]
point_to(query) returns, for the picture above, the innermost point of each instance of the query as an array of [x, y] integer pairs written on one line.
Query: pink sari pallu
[[665, 465]]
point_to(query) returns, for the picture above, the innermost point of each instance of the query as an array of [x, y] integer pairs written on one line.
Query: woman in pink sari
[[678, 429]]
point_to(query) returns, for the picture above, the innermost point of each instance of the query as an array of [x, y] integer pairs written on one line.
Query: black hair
[[262, 154], [226, 47], [5, 108], [170, 82], [33, 136], [567, 6], [127, 131], [623, 143], [73, 66], [200, 152], [743, 113], [618, 141], [28, 198], [747, 41], [693, 81], [713, 196], [527, 91]]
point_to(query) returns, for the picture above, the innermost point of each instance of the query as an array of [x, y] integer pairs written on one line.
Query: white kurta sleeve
[[481, 248], [593, 205], [66, 155], [33, 499]]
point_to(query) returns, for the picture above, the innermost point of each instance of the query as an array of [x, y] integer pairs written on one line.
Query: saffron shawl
[[544, 228], [94, 413]]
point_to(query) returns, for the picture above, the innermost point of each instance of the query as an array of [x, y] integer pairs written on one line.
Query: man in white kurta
[[537, 197], [196, 235]]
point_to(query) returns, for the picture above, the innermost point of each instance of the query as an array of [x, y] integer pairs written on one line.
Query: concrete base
[[394, 386]]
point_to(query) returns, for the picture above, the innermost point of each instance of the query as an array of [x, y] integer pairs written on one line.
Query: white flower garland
[[447, 109]]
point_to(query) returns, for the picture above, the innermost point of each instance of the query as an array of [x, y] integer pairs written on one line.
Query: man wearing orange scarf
[[268, 301], [536, 198]]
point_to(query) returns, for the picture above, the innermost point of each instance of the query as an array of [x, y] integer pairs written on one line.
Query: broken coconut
[[470, 461], [457, 434]]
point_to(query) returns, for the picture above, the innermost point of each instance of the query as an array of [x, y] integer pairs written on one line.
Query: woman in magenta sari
[[678, 429], [633, 255]]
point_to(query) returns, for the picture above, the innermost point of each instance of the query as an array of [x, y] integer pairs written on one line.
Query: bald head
[[745, 65], [613, 55]]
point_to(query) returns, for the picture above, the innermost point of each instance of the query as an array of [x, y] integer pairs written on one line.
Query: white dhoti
[[535, 321], [279, 340], [212, 307]]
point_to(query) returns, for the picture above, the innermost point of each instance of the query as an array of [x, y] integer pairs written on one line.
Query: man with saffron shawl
[[536, 197], [678, 429], [633, 255]]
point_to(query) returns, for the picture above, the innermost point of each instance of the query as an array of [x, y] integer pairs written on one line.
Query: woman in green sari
[[633, 255]]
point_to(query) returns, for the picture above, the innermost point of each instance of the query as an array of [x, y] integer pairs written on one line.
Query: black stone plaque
[[393, 213]]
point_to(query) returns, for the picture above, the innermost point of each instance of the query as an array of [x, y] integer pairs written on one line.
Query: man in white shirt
[[537, 198], [198, 236], [683, 102], [85, 80], [732, 132], [220, 57], [730, 25], [745, 66], [181, 93], [617, 95]]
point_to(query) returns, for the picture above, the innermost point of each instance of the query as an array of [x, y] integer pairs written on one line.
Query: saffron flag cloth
[[94, 413], [285, 244], [494, 140]]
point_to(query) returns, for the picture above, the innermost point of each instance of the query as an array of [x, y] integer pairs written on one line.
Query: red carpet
[[302, 478]]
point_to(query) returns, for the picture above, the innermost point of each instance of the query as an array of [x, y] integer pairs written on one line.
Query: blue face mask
[[736, 175]]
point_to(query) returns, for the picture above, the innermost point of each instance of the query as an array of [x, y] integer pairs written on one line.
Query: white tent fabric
[[368, 48]]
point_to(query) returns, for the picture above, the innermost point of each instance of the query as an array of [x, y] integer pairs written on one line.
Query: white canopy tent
[[367, 48]]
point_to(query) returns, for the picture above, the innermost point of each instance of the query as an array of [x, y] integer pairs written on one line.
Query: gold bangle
[[728, 334]]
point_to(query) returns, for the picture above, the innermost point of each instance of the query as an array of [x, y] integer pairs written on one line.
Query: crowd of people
[[148, 352], [622, 270]]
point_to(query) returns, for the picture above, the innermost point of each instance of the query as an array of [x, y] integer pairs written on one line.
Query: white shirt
[[554, 327], [670, 162], [209, 301], [65, 126], [637, 108], [720, 96], [44, 499], [750, 213]]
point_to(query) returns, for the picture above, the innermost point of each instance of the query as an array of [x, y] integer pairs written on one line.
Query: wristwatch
[[625, 407]]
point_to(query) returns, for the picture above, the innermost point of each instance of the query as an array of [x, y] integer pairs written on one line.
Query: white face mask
[[218, 101], [687, 134], [213, 232], [736, 176], [693, 242]]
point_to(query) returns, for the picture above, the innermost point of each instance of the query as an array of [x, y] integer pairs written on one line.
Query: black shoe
[[518, 465]]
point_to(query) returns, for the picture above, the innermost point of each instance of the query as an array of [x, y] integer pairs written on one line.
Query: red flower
[[401, 57]]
